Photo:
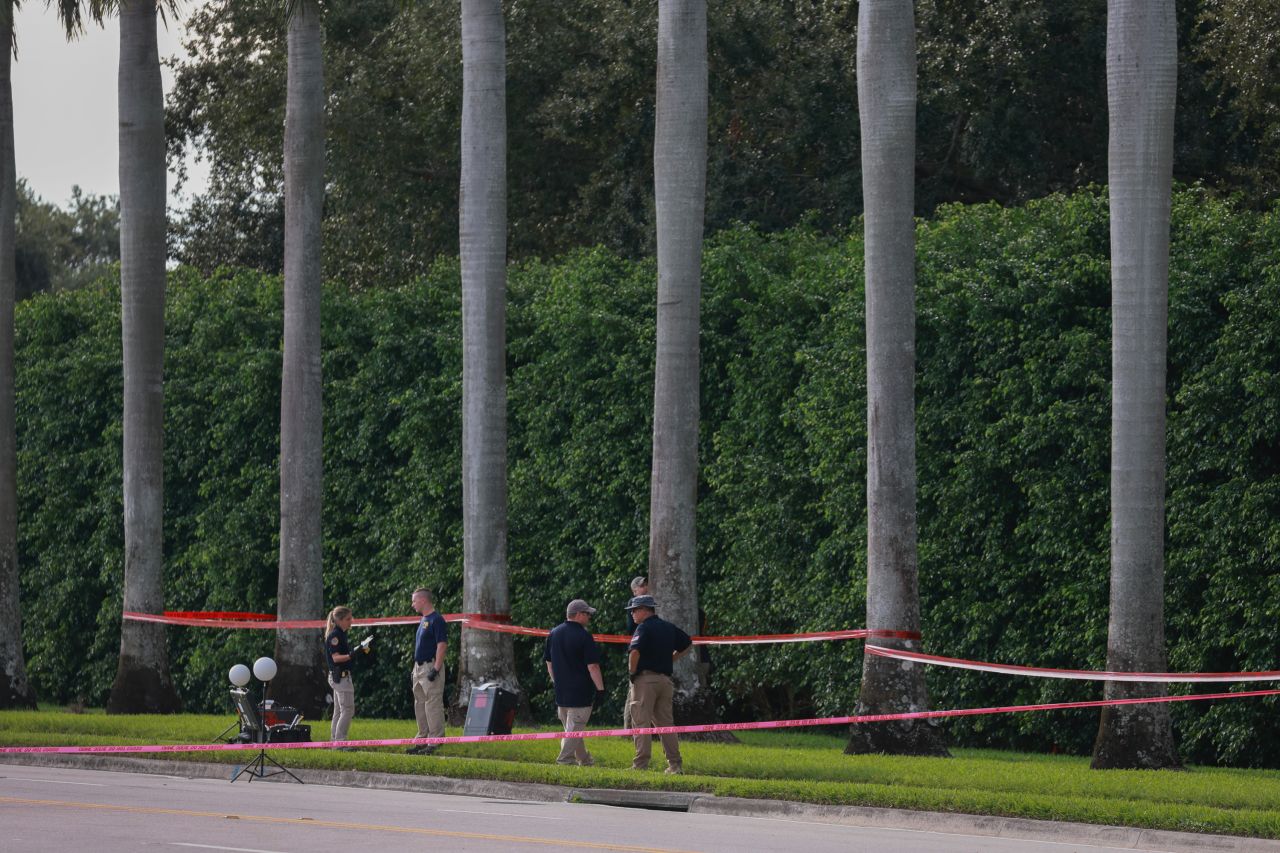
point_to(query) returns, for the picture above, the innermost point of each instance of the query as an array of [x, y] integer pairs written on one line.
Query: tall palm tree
[[15, 690], [887, 114], [300, 591], [486, 656], [679, 184], [142, 682], [1141, 89]]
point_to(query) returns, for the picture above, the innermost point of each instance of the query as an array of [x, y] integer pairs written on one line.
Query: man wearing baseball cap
[[573, 662], [655, 646]]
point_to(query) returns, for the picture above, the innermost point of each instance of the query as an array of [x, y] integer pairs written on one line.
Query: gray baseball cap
[[579, 606], [642, 601]]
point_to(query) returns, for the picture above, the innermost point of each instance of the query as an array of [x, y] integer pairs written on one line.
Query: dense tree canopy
[[1013, 369], [1239, 46], [64, 248], [1012, 106]]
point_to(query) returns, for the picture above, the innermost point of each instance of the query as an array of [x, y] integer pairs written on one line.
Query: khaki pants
[[573, 750], [651, 706], [626, 706], [428, 702], [344, 707]]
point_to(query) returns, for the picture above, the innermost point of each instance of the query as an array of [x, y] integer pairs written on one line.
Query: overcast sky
[[64, 105]]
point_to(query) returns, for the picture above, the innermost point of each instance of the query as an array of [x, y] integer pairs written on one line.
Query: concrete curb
[[986, 825], [338, 778], [940, 822]]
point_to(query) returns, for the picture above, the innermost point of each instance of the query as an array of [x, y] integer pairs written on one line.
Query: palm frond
[[72, 13], [7, 8]]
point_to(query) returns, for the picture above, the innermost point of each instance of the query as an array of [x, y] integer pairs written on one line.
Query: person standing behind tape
[[639, 586], [429, 646], [573, 662], [655, 646], [341, 658]]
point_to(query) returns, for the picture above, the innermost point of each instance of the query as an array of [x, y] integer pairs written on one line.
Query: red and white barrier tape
[[699, 729], [746, 639], [500, 623], [267, 622], [490, 622], [1074, 674], [220, 614]]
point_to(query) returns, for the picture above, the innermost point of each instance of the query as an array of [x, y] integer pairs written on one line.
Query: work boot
[[674, 770]]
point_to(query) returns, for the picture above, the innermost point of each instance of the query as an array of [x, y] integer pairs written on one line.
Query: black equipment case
[[491, 711]]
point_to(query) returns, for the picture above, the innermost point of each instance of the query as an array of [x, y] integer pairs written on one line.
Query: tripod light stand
[[264, 669]]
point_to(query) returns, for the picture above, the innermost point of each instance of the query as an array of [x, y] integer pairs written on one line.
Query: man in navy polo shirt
[[573, 662], [655, 646], [429, 647]]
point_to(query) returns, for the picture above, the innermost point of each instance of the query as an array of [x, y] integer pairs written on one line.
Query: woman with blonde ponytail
[[341, 657]]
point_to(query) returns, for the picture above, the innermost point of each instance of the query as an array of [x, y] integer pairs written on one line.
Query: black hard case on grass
[[491, 711]]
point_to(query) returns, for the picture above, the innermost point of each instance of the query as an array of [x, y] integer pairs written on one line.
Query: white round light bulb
[[264, 669], [239, 675]]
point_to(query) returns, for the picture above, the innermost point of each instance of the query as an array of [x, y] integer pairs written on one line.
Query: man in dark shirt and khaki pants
[[573, 662], [655, 646], [427, 678]]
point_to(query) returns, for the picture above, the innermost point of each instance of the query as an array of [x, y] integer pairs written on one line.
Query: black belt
[[652, 672]]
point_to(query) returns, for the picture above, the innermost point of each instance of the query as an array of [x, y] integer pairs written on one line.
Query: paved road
[[55, 809]]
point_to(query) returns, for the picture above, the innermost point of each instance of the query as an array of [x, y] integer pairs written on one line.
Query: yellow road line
[[330, 824]]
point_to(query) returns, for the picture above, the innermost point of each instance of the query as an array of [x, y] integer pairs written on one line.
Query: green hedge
[[1012, 400]]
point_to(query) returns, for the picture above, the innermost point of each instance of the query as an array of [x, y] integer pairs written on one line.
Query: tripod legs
[[256, 769]]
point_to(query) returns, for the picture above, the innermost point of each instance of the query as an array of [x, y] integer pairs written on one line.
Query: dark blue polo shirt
[[336, 643], [657, 640], [431, 630], [570, 648]]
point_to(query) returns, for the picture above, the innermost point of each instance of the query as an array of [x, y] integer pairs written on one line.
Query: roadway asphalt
[[46, 808]]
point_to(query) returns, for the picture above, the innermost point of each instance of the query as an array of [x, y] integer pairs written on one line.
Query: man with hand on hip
[[429, 647], [655, 646], [573, 662]]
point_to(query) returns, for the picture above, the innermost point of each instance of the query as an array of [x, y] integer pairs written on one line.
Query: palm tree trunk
[[1141, 89], [300, 589], [486, 656], [680, 180], [142, 682], [15, 690], [887, 113]]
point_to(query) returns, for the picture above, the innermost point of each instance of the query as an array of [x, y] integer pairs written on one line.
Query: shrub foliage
[[1012, 395]]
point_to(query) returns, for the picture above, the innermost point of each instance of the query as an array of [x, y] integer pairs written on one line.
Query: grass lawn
[[775, 765]]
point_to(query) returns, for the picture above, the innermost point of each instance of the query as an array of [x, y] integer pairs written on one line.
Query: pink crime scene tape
[[489, 622], [694, 729]]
